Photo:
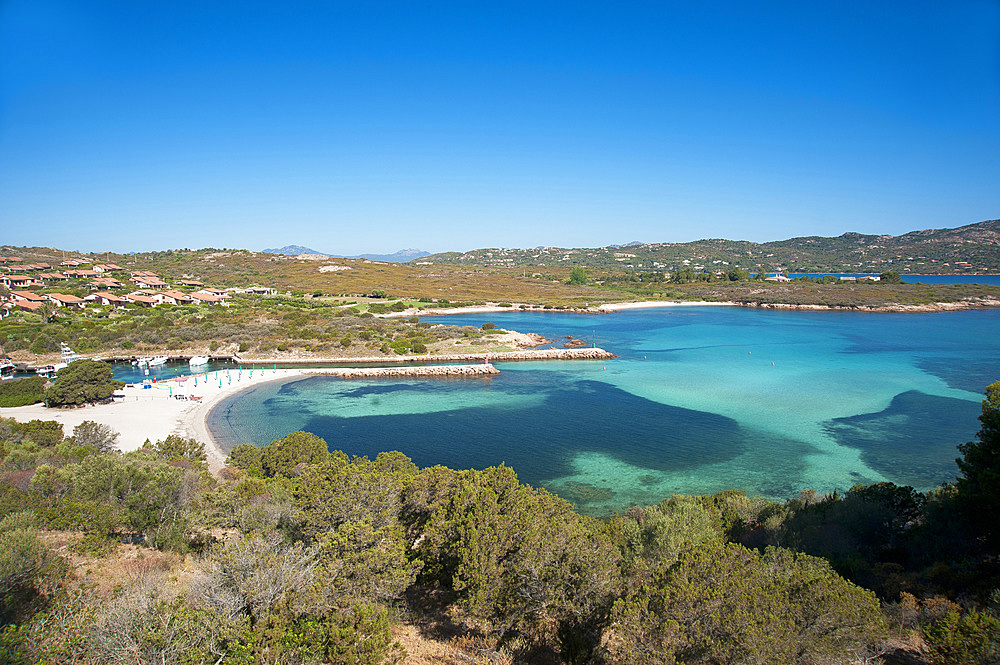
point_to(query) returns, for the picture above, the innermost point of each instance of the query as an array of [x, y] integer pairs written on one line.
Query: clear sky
[[368, 126]]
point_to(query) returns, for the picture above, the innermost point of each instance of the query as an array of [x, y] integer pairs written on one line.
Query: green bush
[[82, 382], [22, 391], [972, 638]]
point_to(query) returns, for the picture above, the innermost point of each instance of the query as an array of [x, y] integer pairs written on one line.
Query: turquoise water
[[701, 399], [917, 279]]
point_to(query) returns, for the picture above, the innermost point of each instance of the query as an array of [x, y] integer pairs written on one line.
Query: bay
[[700, 399]]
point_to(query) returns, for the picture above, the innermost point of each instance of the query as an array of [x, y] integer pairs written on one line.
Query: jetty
[[580, 353], [590, 353], [484, 369]]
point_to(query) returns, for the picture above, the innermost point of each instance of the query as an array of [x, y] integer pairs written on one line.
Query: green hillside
[[972, 249]]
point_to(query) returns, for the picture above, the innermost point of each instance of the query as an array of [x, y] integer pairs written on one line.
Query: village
[[31, 287]]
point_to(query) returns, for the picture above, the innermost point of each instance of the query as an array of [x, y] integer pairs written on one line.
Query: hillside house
[[26, 296], [16, 281], [65, 300], [145, 282], [101, 283], [206, 298], [172, 297], [141, 300], [105, 298]]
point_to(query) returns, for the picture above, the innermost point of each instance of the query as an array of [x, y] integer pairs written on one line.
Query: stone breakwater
[[499, 356], [395, 372], [537, 354]]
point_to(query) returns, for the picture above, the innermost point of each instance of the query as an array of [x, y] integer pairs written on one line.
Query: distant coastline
[[608, 308]]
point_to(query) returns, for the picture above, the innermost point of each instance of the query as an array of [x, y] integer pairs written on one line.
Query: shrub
[[22, 392], [972, 638], [489, 325]]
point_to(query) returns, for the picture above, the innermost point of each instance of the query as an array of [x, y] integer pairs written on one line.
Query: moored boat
[[198, 360]]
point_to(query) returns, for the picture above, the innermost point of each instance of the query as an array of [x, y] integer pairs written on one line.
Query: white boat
[[49, 371], [142, 362], [198, 360], [157, 361], [68, 355], [7, 369]]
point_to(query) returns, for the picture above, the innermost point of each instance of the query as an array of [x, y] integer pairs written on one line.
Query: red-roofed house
[[71, 263], [16, 281], [191, 282], [145, 301], [206, 298], [64, 300], [105, 283], [105, 298], [27, 296], [150, 283], [173, 297], [53, 276], [29, 305]]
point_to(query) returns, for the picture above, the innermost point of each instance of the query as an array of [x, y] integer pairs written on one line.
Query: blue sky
[[373, 126]]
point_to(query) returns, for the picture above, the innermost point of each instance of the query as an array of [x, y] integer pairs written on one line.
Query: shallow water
[[701, 399]]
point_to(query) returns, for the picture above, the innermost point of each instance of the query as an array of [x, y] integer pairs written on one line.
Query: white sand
[[154, 414], [614, 306]]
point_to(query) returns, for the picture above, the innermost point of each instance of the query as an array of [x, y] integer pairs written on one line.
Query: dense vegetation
[[939, 251], [300, 555], [23, 392], [251, 326]]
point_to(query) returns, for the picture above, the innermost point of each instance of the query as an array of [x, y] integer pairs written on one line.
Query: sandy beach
[[517, 307], [154, 413]]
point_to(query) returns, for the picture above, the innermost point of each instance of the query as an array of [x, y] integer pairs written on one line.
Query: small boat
[[68, 355], [198, 360], [7, 369], [49, 371], [157, 361], [142, 362]]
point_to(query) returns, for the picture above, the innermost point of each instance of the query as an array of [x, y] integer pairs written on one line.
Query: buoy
[[772, 364]]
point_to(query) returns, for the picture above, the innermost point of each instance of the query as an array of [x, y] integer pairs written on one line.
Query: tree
[[979, 484], [891, 277], [178, 449], [93, 435], [722, 603], [520, 560], [29, 570], [578, 276], [82, 382], [282, 456]]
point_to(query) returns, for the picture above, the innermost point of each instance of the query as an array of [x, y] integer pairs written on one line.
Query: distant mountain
[[293, 250], [402, 256], [970, 249]]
